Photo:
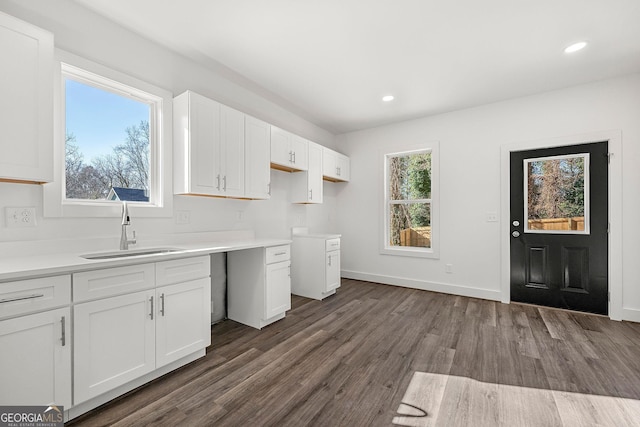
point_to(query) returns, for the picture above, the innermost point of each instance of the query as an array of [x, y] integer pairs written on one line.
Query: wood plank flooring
[[376, 355]]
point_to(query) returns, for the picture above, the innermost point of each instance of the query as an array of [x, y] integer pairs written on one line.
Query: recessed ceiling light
[[575, 47], [387, 98]]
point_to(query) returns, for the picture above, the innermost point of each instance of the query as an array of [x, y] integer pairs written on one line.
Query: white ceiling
[[331, 61]]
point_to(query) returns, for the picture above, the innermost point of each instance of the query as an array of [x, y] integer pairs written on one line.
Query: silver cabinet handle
[[269, 188], [21, 298], [311, 194], [162, 304], [279, 253], [294, 157], [290, 156], [63, 338], [224, 183], [218, 181], [151, 313], [329, 260]]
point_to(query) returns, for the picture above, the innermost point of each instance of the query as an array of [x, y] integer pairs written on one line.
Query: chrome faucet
[[124, 240]]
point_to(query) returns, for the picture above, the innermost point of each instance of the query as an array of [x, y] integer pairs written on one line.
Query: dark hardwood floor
[[382, 355]]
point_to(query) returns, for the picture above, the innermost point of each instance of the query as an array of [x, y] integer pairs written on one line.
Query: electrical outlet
[[183, 217], [20, 217], [448, 268], [492, 217]]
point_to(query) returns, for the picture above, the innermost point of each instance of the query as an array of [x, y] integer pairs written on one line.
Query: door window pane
[[556, 194]]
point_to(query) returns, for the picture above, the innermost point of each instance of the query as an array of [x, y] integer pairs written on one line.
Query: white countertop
[[22, 267]]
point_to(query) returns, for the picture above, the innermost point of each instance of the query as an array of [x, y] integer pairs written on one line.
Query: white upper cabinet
[[231, 163], [335, 166], [306, 187], [288, 151], [26, 104], [257, 173], [208, 147]]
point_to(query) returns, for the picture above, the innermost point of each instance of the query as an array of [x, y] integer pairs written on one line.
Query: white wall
[[84, 33], [470, 180]]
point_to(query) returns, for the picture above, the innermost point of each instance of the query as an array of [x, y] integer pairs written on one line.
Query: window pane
[[107, 144], [410, 177], [556, 194], [410, 224]]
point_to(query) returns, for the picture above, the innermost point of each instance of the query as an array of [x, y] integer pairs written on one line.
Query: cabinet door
[[315, 173], [114, 342], [35, 360], [257, 173], [232, 151], [306, 186], [183, 323], [333, 270], [196, 145], [26, 122], [343, 167], [329, 167], [277, 289], [300, 149], [281, 153]]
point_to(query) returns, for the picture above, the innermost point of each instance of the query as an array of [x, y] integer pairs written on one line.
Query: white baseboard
[[631, 314], [466, 291]]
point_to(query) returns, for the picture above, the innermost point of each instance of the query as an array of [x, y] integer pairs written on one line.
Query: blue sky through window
[[99, 118]]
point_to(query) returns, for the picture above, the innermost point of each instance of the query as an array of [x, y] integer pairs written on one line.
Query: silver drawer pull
[[21, 298], [64, 334], [279, 253]]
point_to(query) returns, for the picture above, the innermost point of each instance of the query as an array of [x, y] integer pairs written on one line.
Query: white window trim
[[434, 250], [55, 203]]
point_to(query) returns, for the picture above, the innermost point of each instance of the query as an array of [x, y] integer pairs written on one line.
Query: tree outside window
[[556, 193]]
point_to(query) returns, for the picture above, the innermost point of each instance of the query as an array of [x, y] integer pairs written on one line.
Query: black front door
[[559, 227]]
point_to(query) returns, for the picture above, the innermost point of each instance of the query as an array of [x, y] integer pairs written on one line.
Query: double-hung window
[[410, 204]]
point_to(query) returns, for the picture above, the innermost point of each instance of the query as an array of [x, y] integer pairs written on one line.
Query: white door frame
[[614, 137]]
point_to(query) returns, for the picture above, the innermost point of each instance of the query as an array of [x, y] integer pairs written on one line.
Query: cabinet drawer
[[278, 254], [112, 281], [27, 296], [332, 244], [182, 270]]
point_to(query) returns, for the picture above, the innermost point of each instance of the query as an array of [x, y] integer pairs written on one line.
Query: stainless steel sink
[[130, 253]]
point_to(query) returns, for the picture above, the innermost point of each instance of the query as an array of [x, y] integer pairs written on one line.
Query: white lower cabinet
[[121, 338], [183, 323], [259, 285], [35, 359], [332, 271], [277, 289], [316, 265], [35, 341], [114, 343]]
